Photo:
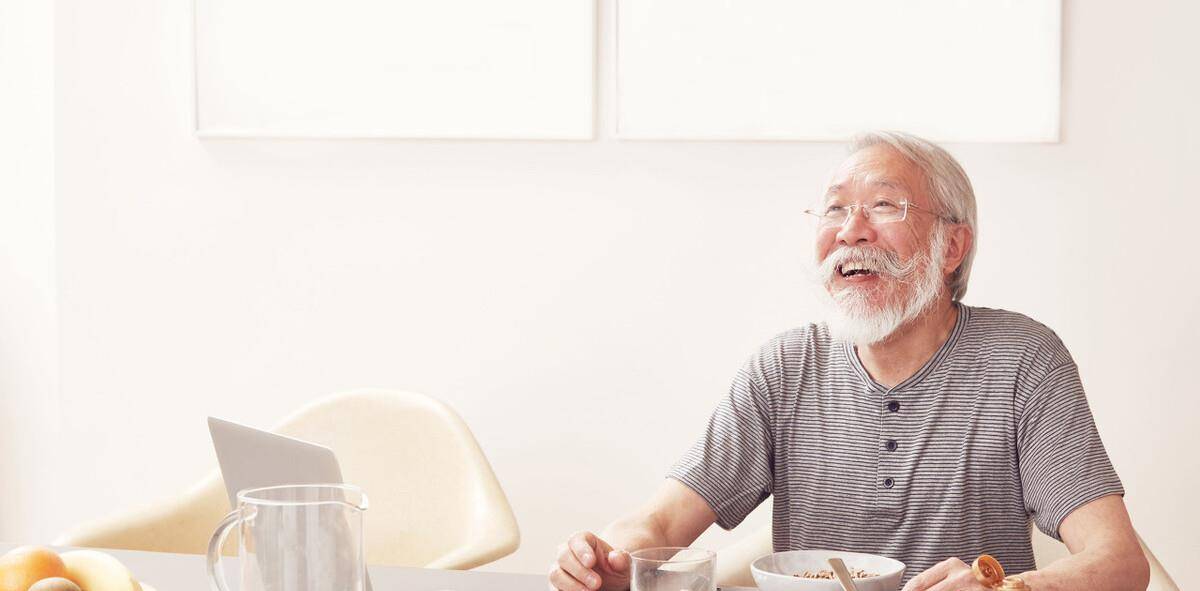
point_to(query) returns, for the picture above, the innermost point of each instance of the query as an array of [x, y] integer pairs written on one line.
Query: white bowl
[[775, 572]]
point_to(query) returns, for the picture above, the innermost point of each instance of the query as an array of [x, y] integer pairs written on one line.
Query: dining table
[[189, 572]]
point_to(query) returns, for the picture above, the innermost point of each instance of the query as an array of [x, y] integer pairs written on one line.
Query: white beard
[[852, 317]]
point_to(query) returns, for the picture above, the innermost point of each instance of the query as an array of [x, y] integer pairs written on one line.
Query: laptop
[[253, 458]]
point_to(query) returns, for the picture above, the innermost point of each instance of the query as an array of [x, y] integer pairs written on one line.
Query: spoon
[[843, 575]]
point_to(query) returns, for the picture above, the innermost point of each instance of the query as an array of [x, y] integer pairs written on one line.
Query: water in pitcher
[[296, 538]]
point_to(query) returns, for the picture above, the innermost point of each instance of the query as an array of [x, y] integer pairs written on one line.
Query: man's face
[[880, 273]]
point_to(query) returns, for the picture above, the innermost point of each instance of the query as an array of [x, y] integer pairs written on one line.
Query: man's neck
[[907, 350]]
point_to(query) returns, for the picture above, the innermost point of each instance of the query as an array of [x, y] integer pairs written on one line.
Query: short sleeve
[[1062, 460], [731, 465]]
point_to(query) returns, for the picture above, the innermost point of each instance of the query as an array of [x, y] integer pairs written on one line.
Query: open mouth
[[855, 269]]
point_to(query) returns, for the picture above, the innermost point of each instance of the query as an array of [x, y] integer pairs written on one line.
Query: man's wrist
[[1035, 580]]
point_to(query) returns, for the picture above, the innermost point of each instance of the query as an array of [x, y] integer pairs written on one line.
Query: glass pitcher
[[295, 538]]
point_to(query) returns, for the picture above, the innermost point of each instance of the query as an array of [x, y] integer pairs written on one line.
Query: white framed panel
[[518, 69], [950, 70]]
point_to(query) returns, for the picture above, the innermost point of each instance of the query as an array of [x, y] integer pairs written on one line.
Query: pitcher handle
[[216, 575]]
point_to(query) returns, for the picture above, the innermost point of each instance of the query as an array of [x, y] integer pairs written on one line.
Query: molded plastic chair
[[733, 563], [434, 500]]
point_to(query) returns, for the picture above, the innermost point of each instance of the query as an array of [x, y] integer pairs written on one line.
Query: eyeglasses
[[881, 211]]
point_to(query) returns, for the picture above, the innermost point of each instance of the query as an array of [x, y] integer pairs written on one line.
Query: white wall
[[28, 319], [582, 305]]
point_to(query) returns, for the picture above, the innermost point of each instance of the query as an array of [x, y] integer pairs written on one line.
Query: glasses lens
[[834, 219], [884, 211], [834, 214]]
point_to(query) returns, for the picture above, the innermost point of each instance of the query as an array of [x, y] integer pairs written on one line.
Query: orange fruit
[[21, 567]]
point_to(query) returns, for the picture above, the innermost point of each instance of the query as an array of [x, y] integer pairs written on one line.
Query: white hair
[[947, 185]]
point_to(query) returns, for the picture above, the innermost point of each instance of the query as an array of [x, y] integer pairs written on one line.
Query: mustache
[[885, 262]]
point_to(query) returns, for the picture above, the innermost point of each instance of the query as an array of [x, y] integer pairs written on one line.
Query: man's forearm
[[639, 530], [1103, 568]]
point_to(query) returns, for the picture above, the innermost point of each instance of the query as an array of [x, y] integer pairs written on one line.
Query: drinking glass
[[672, 569]]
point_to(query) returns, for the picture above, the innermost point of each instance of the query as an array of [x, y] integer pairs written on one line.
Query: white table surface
[[187, 572]]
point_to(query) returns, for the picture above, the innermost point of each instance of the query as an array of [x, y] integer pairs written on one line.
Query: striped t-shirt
[[993, 432]]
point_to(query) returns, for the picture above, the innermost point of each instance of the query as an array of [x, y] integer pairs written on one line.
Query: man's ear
[[958, 244]]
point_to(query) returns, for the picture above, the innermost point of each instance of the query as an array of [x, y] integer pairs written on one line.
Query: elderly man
[[908, 424]]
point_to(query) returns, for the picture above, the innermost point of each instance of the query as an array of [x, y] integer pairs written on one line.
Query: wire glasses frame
[[882, 212]]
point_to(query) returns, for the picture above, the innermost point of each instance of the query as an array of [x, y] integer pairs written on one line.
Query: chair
[[434, 501], [733, 562]]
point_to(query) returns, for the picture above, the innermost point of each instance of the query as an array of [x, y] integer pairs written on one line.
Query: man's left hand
[[951, 574]]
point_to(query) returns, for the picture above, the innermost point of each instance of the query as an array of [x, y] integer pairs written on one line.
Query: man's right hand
[[586, 563]]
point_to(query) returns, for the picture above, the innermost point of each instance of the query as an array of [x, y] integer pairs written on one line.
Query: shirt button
[[893, 406], [891, 445], [888, 483]]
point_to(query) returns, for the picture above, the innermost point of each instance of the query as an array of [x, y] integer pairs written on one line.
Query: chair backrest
[[733, 562], [181, 524], [434, 500]]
